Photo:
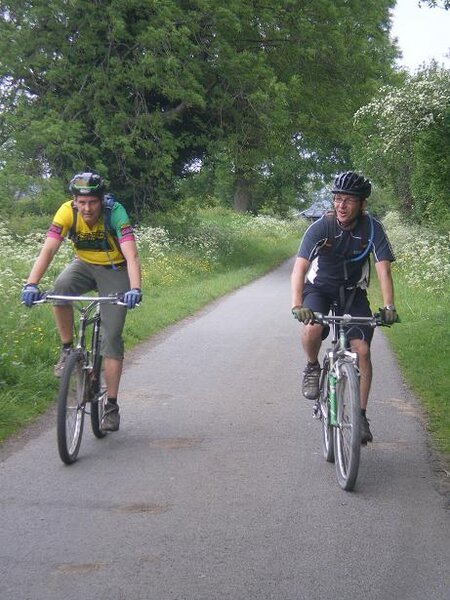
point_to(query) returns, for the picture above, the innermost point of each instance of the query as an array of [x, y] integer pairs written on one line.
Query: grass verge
[[422, 346]]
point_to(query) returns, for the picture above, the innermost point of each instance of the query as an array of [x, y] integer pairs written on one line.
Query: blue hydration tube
[[369, 244]]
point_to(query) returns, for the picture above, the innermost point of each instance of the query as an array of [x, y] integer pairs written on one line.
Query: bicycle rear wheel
[[347, 436], [97, 399], [71, 408], [327, 430]]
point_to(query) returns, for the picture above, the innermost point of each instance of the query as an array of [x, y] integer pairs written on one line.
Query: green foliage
[[430, 180], [422, 283], [422, 255], [139, 91], [423, 353], [289, 115], [402, 138]]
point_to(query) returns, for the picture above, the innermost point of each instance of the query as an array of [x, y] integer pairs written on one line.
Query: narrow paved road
[[215, 487]]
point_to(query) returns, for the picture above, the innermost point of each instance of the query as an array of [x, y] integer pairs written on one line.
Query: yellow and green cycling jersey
[[96, 244]]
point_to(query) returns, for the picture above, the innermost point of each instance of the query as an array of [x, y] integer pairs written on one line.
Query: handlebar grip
[[381, 321]]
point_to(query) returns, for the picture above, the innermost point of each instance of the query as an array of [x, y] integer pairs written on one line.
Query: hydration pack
[[366, 238]]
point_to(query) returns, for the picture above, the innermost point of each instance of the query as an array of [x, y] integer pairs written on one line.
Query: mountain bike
[[338, 405], [81, 379]]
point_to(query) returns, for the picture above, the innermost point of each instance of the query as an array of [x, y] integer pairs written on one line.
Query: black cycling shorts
[[319, 301]]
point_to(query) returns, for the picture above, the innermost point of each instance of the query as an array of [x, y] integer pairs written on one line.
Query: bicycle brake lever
[[42, 299]]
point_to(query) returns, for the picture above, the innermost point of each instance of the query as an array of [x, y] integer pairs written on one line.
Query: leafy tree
[[401, 137], [430, 180], [260, 94], [102, 85], [314, 66]]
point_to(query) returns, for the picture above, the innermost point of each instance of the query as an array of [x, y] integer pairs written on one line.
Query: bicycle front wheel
[[97, 399], [347, 435], [327, 431], [71, 408]]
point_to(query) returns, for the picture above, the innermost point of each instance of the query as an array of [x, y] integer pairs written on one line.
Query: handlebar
[[114, 299], [374, 321]]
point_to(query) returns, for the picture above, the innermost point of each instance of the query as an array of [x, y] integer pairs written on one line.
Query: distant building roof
[[312, 213]]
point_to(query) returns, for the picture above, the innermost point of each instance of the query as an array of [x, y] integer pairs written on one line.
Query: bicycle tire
[[327, 430], [71, 408], [97, 403], [347, 436]]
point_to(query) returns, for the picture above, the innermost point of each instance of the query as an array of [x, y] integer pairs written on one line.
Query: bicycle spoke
[[98, 398]]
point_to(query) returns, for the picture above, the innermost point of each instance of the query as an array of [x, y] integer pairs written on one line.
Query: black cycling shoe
[[366, 434]]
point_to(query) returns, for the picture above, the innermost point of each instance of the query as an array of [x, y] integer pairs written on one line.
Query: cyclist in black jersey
[[333, 265]]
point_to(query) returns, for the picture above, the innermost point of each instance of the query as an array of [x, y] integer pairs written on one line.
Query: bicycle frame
[[80, 381], [336, 353], [87, 318], [89, 315]]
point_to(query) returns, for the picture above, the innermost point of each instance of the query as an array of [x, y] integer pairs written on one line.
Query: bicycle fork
[[330, 386]]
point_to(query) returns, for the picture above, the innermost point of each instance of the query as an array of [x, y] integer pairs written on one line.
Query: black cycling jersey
[[340, 257]]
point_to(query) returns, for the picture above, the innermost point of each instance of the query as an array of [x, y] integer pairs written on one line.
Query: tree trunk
[[242, 196]]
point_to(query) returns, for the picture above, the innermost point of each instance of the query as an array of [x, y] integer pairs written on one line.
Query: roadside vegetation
[[421, 341], [187, 263], [199, 256]]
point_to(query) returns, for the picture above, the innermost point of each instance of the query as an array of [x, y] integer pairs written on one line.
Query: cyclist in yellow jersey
[[106, 260]]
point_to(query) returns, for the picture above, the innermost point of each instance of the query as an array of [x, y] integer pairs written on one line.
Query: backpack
[[107, 205]]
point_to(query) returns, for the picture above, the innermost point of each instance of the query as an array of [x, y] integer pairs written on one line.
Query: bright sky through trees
[[423, 33]]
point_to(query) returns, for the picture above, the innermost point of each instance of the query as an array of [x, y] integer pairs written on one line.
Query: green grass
[[421, 343]]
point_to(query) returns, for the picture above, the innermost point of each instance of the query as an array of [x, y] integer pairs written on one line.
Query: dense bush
[[423, 256], [402, 138]]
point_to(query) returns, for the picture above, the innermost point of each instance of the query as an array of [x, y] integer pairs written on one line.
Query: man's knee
[[312, 332], [362, 348]]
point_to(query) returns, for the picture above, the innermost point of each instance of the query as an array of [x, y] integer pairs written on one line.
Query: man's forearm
[[386, 282], [298, 281], [134, 273]]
